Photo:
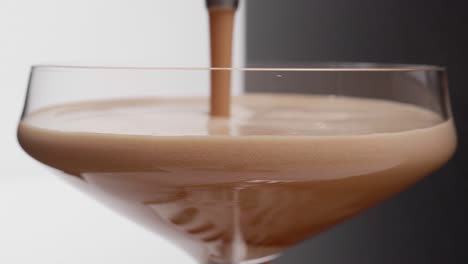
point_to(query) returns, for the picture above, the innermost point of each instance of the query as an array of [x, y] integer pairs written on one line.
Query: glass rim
[[313, 67]]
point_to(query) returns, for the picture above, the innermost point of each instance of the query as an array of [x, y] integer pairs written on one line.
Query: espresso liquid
[[221, 22], [280, 170]]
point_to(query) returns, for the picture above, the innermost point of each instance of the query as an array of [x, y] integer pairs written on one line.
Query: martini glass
[[305, 148]]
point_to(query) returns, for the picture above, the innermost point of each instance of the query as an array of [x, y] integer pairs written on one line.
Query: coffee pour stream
[[221, 21]]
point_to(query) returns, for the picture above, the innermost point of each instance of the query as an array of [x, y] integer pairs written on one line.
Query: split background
[[43, 220]]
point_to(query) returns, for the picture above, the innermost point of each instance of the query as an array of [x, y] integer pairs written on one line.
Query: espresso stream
[[221, 31], [280, 170]]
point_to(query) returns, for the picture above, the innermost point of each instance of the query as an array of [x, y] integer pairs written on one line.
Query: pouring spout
[[222, 3]]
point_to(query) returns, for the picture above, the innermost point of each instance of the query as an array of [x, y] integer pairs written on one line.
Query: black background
[[428, 222]]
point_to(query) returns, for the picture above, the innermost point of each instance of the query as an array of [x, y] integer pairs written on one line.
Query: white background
[[43, 220]]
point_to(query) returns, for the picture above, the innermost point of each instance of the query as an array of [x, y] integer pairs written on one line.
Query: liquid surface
[[282, 169], [254, 115]]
